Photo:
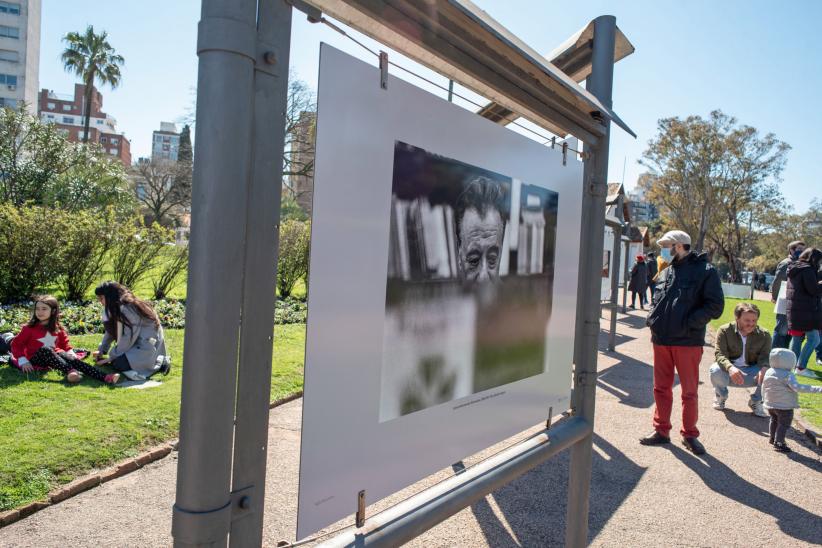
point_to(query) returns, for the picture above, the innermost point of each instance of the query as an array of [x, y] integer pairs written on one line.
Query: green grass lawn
[[811, 404], [52, 432]]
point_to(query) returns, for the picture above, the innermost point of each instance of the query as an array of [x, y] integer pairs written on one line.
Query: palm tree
[[91, 57]]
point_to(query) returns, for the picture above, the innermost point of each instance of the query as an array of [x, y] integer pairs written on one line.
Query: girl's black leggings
[[62, 362]]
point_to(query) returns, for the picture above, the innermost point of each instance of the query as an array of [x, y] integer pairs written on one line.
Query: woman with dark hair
[[639, 282], [132, 325], [804, 309]]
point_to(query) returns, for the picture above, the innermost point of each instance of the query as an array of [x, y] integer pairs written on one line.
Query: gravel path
[[740, 494]]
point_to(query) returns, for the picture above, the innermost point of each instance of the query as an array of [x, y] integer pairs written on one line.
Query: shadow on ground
[[531, 510], [792, 520]]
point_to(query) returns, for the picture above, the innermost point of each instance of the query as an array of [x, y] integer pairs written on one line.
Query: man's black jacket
[[689, 298]]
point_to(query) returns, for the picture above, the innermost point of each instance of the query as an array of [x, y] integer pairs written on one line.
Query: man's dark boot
[[694, 446], [655, 438]]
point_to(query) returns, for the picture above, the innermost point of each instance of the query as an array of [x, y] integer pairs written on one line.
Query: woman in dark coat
[[804, 296], [639, 282]]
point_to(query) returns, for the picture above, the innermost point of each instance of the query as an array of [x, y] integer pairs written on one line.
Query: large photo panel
[[442, 288]]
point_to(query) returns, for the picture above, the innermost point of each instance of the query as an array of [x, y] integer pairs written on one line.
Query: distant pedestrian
[[781, 339], [652, 270], [690, 297], [780, 390], [804, 309], [639, 282]]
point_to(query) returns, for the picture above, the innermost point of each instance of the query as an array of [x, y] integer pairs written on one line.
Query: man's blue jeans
[[780, 332], [803, 353], [722, 380]]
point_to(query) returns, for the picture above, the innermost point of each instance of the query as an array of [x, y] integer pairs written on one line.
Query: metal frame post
[[615, 276], [625, 279], [226, 47], [260, 271], [600, 84]]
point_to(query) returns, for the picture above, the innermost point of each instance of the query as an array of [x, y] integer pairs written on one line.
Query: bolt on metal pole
[[226, 48], [600, 83], [262, 230]]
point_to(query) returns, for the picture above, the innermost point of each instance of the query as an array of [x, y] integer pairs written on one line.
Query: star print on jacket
[[33, 338]]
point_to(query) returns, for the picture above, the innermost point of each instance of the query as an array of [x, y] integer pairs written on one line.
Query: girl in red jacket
[[44, 344]]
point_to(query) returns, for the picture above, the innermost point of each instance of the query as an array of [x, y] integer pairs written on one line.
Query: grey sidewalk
[[740, 494]]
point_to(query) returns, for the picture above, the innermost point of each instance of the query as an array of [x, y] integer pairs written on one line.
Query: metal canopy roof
[[463, 43], [573, 57]]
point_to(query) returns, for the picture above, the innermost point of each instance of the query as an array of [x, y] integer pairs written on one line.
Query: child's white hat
[[782, 358]]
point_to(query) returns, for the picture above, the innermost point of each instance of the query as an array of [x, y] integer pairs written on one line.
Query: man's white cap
[[674, 237]]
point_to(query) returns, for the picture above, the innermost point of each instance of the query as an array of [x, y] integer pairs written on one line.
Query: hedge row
[[84, 318]]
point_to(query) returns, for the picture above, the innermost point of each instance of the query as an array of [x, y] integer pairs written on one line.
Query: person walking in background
[[804, 309], [780, 391], [689, 297], [639, 282], [781, 339], [652, 270]]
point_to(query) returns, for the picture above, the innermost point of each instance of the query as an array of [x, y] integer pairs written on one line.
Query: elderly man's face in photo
[[480, 244]]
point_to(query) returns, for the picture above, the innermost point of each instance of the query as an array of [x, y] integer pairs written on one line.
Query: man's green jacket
[[729, 346]]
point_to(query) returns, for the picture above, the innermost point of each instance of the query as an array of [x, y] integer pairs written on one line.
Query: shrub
[[175, 263], [293, 260], [89, 237], [31, 240], [84, 318], [137, 250]]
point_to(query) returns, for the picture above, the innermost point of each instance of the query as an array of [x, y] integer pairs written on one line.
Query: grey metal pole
[[625, 279], [254, 379], [615, 279], [600, 83], [412, 517], [226, 49]]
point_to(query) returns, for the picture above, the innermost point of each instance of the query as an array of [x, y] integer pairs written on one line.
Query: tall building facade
[[165, 143], [642, 211], [19, 53], [66, 112], [301, 144]]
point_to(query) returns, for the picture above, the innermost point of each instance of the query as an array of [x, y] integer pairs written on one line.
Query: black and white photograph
[[469, 281]]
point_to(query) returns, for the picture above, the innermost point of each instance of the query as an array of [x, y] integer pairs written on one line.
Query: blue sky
[[755, 60]]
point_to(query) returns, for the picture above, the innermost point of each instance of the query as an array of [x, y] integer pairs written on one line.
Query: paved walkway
[[740, 494]]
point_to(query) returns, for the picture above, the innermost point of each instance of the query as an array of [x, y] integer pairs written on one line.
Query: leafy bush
[[89, 237], [31, 241], [137, 250], [293, 260], [84, 318], [176, 263]]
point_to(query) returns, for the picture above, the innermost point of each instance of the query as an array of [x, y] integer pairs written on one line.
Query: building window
[[9, 32], [112, 151], [50, 116], [66, 108], [10, 7], [8, 103], [103, 139], [114, 140], [51, 106], [99, 122], [8, 79], [8, 55], [68, 120]]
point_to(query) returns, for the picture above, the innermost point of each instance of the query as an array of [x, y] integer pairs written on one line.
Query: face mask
[[666, 254]]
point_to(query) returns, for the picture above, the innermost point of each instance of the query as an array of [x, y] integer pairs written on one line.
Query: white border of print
[[345, 448]]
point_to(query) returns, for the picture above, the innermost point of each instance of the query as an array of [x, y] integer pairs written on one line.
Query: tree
[[40, 167], [717, 180], [162, 187], [91, 57], [293, 256]]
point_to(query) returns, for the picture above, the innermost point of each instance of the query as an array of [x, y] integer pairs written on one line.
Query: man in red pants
[[686, 299]]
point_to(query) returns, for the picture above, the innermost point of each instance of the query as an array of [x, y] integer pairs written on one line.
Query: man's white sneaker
[[719, 403], [806, 373], [756, 407]]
